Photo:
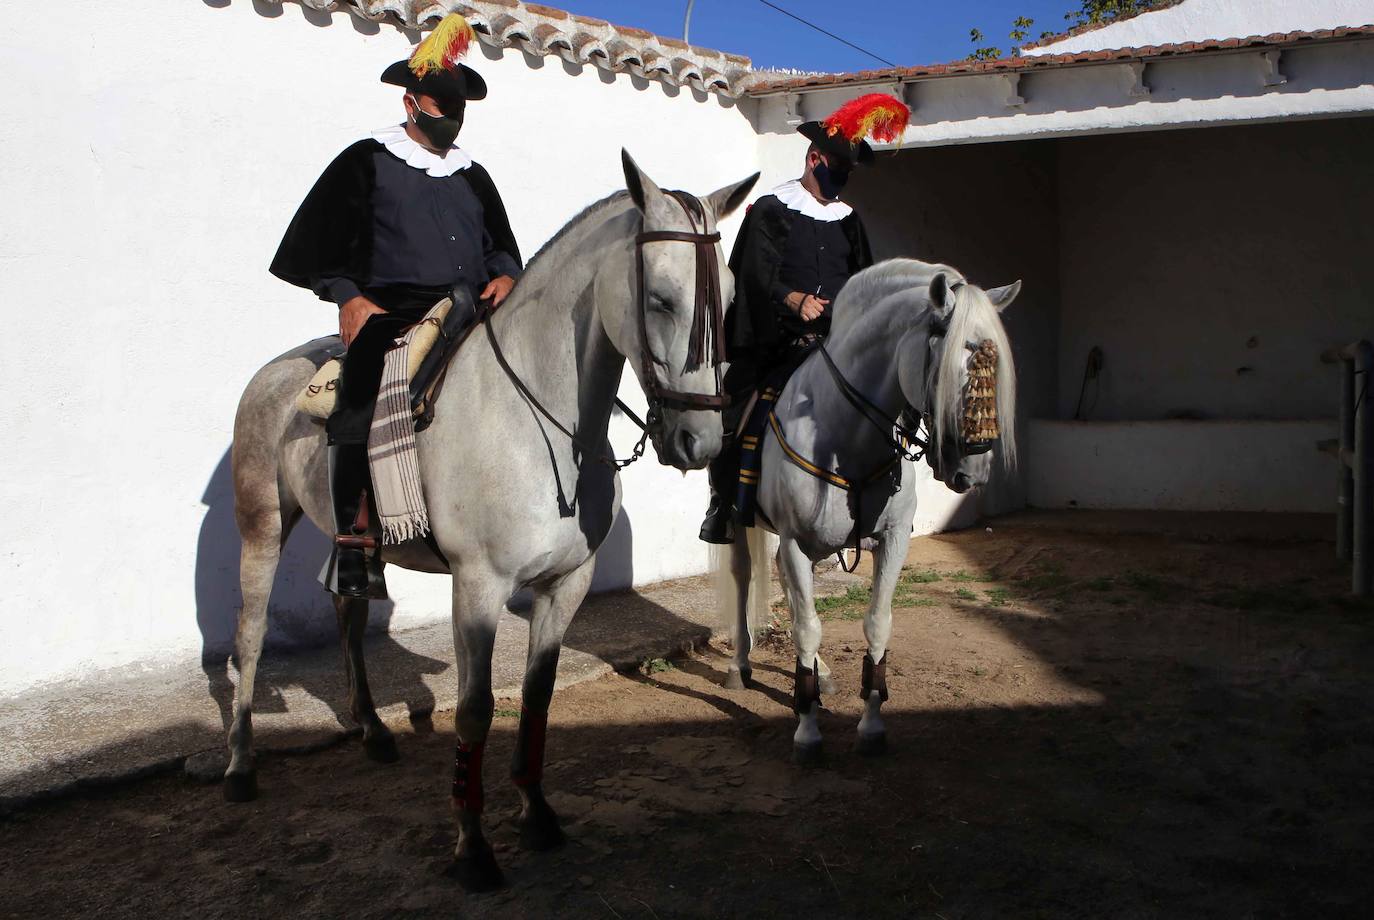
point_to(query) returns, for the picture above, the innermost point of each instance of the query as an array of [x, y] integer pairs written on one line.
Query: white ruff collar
[[399, 144], [800, 200]]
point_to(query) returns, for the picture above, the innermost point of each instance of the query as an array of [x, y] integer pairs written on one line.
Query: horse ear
[[1002, 297], [642, 189], [725, 200], [942, 292]]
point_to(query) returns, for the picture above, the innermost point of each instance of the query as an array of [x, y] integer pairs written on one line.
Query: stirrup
[[719, 525]]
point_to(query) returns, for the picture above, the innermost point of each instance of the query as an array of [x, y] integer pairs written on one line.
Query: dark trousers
[[362, 374]]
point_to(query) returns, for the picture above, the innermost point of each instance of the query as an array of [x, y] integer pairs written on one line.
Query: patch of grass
[[1155, 587], [856, 596], [961, 575], [1045, 581], [978, 670], [657, 666], [998, 597], [920, 602], [504, 713], [964, 594], [920, 577]]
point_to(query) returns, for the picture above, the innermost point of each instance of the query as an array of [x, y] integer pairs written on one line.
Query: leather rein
[[708, 308]]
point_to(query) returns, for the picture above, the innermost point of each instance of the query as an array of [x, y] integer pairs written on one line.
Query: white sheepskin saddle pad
[[321, 393]]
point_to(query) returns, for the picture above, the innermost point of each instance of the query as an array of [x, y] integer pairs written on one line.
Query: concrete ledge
[[1181, 465]]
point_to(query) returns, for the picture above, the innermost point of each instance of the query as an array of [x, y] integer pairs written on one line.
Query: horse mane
[[587, 212], [974, 319]]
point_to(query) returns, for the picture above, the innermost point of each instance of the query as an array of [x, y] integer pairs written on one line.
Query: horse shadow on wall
[[300, 617]]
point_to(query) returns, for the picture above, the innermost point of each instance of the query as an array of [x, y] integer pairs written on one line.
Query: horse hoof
[[871, 745], [240, 787], [807, 755], [736, 679], [478, 871], [827, 685], [381, 749]]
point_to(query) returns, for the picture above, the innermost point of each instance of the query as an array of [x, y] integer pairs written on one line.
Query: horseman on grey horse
[[396, 223], [796, 249]]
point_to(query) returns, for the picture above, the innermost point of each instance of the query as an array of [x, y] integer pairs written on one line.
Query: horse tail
[[755, 543]]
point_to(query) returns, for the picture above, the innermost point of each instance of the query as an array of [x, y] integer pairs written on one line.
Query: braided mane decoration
[[979, 421]]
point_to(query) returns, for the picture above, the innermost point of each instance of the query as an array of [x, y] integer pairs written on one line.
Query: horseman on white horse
[[795, 251], [396, 223]]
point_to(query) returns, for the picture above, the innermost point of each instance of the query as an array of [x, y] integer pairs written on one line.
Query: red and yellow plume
[[877, 115], [442, 48]]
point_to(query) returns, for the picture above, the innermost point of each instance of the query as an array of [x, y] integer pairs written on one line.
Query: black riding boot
[[352, 571], [723, 474]]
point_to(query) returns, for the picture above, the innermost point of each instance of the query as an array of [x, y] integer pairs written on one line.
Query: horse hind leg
[[263, 531], [553, 610], [378, 742], [887, 566], [737, 576], [806, 636]]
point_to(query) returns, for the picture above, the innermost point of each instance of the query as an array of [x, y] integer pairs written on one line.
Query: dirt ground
[[1081, 725]]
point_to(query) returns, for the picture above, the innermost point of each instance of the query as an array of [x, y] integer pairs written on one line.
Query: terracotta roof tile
[[540, 29], [764, 86]]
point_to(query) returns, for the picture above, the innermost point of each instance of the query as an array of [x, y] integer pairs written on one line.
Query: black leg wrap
[[806, 688], [875, 678]]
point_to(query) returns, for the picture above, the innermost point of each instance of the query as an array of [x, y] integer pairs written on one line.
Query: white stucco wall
[[1194, 20], [154, 153], [1181, 466]]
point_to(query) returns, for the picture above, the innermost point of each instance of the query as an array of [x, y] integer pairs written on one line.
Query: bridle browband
[[708, 309]]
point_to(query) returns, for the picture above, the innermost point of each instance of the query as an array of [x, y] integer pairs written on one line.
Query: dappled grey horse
[[912, 345], [516, 467]]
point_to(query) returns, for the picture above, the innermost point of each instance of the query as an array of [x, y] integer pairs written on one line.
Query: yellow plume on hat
[[442, 48]]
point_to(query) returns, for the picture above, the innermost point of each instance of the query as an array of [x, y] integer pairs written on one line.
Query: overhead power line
[[837, 38]]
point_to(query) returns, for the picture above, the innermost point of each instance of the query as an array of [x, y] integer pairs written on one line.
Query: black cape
[[331, 234], [751, 326]]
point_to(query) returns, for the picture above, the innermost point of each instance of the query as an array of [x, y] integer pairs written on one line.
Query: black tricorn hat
[[459, 82], [836, 146]]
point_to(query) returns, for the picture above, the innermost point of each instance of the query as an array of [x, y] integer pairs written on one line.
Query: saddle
[[433, 343]]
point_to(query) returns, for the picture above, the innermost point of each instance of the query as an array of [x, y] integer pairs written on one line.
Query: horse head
[[969, 385], [671, 330]]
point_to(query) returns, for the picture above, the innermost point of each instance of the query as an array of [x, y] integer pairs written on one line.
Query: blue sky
[[905, 32]]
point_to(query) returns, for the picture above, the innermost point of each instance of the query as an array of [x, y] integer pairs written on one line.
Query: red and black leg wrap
[[528, 767], [806, 689], [467, 777], [875, 678]]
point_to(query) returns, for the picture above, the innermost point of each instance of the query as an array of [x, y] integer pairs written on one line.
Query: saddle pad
[[321, 393]]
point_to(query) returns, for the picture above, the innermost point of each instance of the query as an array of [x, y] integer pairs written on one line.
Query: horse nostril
[[962, 482], [687, 445]]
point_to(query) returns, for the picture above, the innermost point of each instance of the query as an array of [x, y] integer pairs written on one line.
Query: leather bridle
[[708, 315]]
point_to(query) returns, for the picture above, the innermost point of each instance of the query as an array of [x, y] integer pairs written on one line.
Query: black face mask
[[830, 181], [440, 130]]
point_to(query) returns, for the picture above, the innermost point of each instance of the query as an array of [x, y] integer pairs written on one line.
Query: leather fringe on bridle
[[979, 423]]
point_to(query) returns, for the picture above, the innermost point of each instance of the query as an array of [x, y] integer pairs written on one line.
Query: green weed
[[964, 594]]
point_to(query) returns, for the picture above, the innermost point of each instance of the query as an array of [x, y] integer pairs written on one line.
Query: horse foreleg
[[806, 636], [553, 610], [476, 610], [378, 742], [887, 566], [740, 674]]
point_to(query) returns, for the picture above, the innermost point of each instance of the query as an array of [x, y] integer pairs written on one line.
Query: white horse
[[514, 501], [905, 338]]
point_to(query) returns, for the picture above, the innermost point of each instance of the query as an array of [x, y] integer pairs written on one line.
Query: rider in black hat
[[394, 224], [796, 249]]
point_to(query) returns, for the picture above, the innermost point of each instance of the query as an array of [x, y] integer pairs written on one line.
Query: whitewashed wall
[[154, 153]]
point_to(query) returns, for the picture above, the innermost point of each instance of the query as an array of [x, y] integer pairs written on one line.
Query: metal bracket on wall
[[1136, 85], [1269, 68], [791, 104]]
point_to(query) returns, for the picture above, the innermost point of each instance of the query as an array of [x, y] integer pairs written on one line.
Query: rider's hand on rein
[[498, 289], [807, 306]]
